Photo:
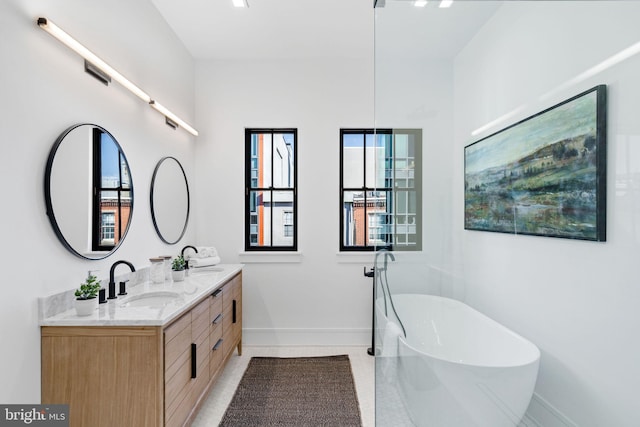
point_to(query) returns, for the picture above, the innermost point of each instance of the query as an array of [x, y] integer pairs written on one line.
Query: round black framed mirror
[[169, 199], [88, 191]]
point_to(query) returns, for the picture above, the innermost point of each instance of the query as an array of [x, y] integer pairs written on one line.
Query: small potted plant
[[87, 296], [177, 268]]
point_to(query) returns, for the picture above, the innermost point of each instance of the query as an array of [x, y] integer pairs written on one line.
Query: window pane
[[401, 146], [353, 211], [110, 162], [352, 160], [376, 154], [261, 160], [124, 170], [283, 164], [260, 229], [366, 221], [283, 223]]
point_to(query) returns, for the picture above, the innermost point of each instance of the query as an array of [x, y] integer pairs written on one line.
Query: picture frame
[[544, 175]]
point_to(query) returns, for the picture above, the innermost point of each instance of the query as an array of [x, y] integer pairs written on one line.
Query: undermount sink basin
[[151, 299]]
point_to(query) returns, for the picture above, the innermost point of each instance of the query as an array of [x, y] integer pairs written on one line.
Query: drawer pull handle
[[216, 293], [218, 344], [217, 319], [194, 364], [234, 311]]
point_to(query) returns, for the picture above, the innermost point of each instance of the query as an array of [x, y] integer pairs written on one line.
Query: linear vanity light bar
[[103, 71], [172, 117], [78, 48]]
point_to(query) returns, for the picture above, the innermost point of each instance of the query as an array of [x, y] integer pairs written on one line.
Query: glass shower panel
[[458, 75], [415, 50]]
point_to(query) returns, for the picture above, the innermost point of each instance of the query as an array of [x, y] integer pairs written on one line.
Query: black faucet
[[112, 283], [182, 254]]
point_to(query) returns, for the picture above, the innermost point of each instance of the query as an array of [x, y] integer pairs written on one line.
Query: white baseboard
[[302, 336], [543, 414]]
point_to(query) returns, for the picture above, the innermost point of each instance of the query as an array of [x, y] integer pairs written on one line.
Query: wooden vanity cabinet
[[108, 376], [142, 376]]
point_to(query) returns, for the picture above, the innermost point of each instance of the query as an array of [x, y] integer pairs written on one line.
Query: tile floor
[[362, 366]]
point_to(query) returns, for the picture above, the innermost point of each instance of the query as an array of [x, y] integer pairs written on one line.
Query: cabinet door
[[232, 314], [237, 310], [177, 375], [200, 337], [109, 376], [186, 363]]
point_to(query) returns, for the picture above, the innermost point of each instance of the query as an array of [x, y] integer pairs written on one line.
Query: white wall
[[319, 298], [577, 300], [43, 90]]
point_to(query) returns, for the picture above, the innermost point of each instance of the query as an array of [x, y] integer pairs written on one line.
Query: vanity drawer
[[216, 308], [216, 349], [214, 337], [216, 325]]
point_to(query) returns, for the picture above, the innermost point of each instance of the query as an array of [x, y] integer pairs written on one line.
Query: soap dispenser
[[156, 271]]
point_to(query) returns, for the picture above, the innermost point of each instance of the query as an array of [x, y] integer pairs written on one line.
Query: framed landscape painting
[[543, 176]]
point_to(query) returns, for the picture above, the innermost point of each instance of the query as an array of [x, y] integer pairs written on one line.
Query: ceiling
[[214, 29]]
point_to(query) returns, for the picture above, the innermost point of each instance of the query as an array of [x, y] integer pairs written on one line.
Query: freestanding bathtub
[[457, 367]]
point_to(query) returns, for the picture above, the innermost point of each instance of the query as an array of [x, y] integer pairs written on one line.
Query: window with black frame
[[112, 193], [380, 189], [271, 190]]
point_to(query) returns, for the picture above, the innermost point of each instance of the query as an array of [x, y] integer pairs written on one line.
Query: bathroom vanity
[[148, 358]]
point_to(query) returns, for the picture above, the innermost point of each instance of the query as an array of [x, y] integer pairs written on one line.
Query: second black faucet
[[112, 283]]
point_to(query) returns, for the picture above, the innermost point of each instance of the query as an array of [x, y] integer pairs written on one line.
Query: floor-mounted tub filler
[[455, 367]]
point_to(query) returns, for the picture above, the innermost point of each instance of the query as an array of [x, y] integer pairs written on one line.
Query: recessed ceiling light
[[446, 3], [420, 3], [240, 3]]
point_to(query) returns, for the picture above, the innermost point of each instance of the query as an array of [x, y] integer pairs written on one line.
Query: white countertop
[[199, 284]]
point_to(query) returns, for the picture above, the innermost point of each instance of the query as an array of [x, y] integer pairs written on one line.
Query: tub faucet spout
[[386, 256], [112, 283]]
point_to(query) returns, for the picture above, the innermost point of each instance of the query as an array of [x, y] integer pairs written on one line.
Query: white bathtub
[[457, 367]]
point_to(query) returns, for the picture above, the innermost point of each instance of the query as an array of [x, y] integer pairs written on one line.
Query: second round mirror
[[169, 200]]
